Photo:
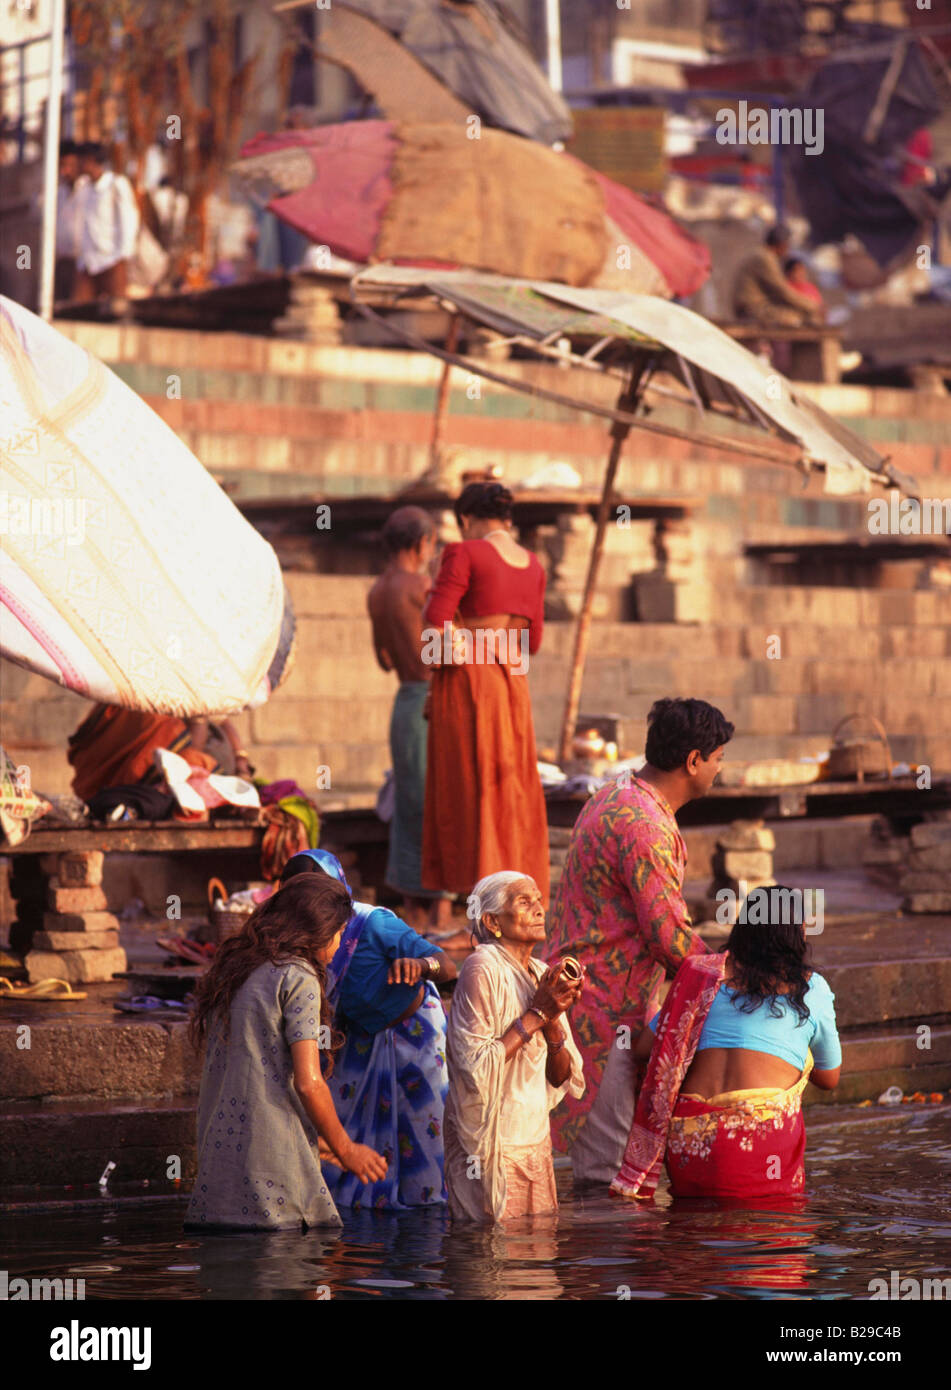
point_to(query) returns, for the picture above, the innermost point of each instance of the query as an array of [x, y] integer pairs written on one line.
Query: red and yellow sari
[[484, 806], [742, 1144]]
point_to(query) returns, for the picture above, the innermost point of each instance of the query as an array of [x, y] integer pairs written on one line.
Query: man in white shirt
[[109, 227], [68, 210]]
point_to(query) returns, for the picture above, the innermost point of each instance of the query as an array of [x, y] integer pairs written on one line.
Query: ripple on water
[[877, 1199]]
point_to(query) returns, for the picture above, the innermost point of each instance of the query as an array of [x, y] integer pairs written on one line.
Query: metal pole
[[553, 38], [51, 159]]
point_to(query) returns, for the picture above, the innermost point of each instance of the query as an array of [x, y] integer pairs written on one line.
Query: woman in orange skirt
[[485, 809]]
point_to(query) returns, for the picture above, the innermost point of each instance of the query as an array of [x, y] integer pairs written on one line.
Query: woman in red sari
[[484, 807], [738, 1039]]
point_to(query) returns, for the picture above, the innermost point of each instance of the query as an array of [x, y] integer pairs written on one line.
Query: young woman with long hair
[[738, 1039], [267, 1026]]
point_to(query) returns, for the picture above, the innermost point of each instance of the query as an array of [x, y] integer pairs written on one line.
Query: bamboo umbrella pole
[[442, 396], [620, 429]]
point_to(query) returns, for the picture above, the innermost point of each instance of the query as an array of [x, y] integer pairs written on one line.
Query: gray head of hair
[[490, 896]]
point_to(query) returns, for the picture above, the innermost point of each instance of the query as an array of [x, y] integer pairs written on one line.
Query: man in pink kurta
[[620, 911]]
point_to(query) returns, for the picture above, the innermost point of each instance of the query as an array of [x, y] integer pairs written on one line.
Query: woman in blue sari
[[389, 1079]]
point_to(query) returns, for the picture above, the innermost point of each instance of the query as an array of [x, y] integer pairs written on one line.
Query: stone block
[[923, 881], [75, 941], [746, 835], [928, 902], [934, 857], [78, 967], [76, 899], [931, 833], [744, 864], [80, 869], [95, 922]]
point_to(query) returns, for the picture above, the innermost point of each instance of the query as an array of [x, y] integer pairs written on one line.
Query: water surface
[[878, 1198]]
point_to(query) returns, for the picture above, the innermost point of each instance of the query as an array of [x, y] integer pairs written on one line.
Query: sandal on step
[[43, 992]]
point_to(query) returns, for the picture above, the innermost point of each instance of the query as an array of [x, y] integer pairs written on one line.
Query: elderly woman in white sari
[[511, 1058]]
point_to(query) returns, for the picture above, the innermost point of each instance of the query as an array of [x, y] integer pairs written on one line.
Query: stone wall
[[284, 419]]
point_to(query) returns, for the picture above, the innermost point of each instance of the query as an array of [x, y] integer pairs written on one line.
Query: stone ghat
[[883, 652]]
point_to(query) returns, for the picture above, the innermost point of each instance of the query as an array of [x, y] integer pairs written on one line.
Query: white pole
[[51, 159], [553, 33]]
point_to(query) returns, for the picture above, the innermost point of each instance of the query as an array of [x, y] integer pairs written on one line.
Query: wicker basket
[[858, 758], [224, 921]]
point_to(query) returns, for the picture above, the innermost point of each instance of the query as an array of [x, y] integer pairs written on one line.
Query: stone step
[[69, 1143], [874, 1059], [92, 1052]]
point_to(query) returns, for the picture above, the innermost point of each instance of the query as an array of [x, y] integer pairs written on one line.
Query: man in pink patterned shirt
[[620, 911]]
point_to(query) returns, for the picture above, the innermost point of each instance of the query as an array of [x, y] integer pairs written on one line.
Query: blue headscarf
[[338, 967]]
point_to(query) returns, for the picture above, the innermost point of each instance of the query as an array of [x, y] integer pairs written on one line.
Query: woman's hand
[[555, 994], [407, 971], [366, 1163]]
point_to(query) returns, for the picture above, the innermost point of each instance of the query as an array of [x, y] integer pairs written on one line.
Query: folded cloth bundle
[[199, 791]]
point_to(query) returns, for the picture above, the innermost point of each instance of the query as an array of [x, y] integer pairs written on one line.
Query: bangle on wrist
[[555, 1046], [540, 1012], [432, 966], [522, 1031]]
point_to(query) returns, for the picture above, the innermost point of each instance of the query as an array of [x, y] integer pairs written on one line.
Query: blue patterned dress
[[389, 1083], [258, 1165]]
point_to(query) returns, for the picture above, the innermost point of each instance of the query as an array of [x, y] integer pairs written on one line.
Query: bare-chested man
[[396, 610]]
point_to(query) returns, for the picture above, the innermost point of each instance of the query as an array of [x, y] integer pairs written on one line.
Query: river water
[[878, 1199]]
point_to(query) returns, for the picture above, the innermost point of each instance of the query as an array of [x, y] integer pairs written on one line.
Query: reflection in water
[[264, 1265], [878, 1198]]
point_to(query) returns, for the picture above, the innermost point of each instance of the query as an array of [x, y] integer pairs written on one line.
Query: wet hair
[[769, 948], [778, 235], [490, 895], [300, 919], [485, 501], [676, 727], [405, 529]]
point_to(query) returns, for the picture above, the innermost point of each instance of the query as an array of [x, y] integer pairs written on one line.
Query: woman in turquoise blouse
[[390, 1079], [740, 1036]]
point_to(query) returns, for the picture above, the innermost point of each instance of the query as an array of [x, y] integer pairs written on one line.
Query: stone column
[[80, 937], [743, 858]]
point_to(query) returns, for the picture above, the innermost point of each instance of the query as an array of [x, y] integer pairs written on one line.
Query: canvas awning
[[644, 336], [719, 376]]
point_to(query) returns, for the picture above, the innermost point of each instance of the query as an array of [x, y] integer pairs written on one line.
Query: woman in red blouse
[[484, 810]]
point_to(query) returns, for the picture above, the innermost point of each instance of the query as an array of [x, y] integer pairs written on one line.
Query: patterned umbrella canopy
[[426, 193], [126, 574]]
